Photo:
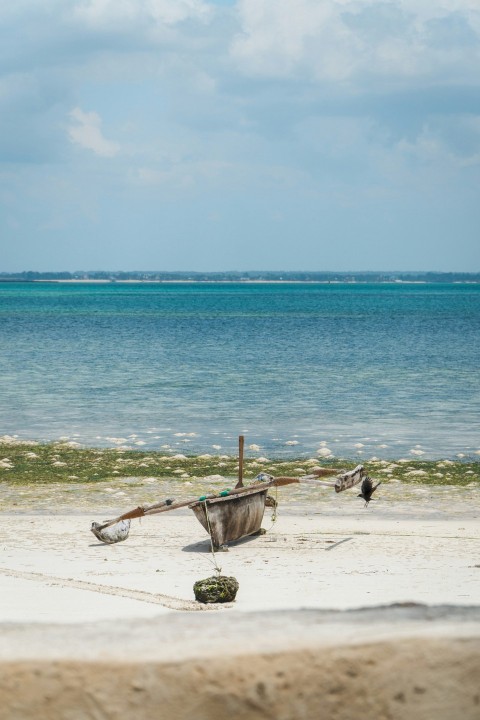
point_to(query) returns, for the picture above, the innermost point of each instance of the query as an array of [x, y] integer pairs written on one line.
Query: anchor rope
[[262, 477], [213, 560], [275, 510]]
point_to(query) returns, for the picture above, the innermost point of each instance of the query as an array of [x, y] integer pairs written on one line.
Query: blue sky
[[256, 134]]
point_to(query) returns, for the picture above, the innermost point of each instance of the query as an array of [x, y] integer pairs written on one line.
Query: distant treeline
[[252, 275]]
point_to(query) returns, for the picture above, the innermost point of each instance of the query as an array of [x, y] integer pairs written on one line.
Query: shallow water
[[350, 370]]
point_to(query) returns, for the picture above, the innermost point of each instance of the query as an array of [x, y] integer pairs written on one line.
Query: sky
[[240, 135]]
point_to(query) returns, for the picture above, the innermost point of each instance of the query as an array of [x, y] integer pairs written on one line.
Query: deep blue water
[[394, 367]]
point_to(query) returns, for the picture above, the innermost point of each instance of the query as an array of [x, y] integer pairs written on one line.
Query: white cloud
[[173, 11], [276, 35], [345, 39], [105, 13], [87, 133]]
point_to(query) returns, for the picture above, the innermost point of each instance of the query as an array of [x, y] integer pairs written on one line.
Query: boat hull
[[227, 519]]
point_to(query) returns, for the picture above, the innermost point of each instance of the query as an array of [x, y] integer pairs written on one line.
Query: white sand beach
[[396, 586], [53, 569]]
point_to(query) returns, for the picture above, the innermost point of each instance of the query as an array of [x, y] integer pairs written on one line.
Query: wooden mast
[[241, 445]]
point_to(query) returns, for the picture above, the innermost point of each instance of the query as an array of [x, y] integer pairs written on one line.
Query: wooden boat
[[235, 516], [231, 514], [227, 519]]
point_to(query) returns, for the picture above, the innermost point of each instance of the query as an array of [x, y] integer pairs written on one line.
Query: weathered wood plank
[[227, 519]]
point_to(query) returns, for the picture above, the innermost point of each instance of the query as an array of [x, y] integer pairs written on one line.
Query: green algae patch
[[216, 589], [425, 472], [23, 463], [32, 463]]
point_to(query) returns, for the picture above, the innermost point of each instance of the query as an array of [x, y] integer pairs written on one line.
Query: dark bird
[[367, 490]]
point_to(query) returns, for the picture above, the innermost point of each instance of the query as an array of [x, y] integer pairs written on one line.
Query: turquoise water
[[387, 370]]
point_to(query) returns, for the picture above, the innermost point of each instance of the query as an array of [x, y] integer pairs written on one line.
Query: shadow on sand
[[205, 546]]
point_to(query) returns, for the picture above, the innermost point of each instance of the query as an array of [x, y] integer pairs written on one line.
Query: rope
[[275, 510], [217, 567]]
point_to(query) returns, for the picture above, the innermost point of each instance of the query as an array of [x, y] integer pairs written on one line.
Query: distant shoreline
[[95, 281], [226, 282], [244, 277]]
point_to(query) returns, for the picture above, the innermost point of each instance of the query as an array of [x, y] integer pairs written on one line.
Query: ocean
[[344, 370]]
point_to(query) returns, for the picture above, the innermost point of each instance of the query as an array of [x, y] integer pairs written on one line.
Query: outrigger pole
[[342, 482]]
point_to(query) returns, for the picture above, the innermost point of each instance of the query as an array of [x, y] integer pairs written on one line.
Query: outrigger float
[[231, 514]]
